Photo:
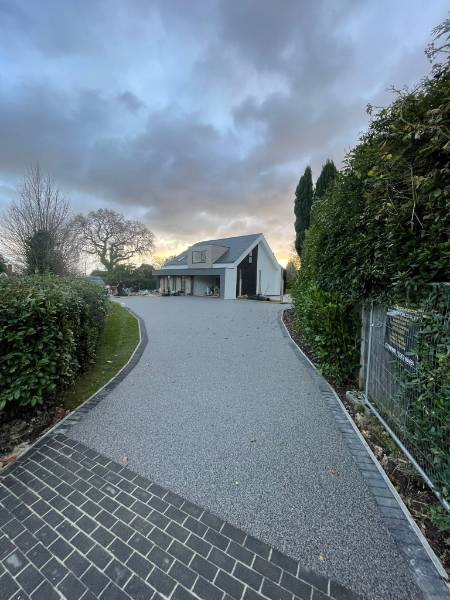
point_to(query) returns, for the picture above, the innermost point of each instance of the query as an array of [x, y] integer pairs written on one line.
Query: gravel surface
[[221, 410]]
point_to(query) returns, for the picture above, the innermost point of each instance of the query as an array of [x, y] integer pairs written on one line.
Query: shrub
[[49, 328], [380, 230], [383, 227], [330, 327], [329, 323]]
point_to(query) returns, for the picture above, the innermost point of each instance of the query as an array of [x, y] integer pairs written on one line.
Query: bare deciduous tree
[[37, 228], [112, 238], [292, 268]]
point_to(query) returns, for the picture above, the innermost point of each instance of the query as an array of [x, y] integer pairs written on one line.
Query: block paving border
[[76, 525], [406, 534]]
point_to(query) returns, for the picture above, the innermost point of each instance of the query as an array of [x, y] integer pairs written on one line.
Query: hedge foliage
[[330, 327], [425, 391], [380, 231], [49, 329]]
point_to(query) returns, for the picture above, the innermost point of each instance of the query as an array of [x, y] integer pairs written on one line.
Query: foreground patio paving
[[77, 525]]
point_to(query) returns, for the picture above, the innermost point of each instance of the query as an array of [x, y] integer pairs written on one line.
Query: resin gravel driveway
[[220, 410]]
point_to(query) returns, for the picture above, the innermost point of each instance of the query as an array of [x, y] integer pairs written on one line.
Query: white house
[[228, 267]]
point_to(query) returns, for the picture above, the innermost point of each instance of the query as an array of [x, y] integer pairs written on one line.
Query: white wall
[[230, 284], [269, 272]]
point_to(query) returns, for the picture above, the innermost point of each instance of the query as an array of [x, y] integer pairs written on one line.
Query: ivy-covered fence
[[407, 379]]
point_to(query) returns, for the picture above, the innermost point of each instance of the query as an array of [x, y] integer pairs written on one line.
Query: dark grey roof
[[236, 246]]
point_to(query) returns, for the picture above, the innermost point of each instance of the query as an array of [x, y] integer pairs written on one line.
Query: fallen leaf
[[8, 459], [321, 556]]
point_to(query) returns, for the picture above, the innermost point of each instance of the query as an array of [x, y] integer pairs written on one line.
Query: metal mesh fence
[[408, 380]]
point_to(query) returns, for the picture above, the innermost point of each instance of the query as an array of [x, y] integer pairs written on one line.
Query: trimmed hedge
[[49, 329], [328, 322], [330, 327], [380, 230]]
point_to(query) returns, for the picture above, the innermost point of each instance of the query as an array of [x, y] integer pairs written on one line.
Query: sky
[[197, 117]]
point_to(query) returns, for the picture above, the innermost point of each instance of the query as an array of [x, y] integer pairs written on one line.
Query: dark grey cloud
[[198, 117], [52, 27], [131, 101]]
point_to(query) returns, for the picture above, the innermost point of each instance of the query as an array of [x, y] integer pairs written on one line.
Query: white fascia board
[[184, 267], [174, 267]]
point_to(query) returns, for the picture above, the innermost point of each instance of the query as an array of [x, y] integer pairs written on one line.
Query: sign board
[[401, 334]]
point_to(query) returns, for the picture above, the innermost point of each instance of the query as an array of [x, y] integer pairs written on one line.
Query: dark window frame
[[202, 254]]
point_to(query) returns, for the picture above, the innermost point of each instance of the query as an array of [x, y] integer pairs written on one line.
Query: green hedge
[[49, 329], [382, 228], [380, 231], [331, 328], [329, 323]]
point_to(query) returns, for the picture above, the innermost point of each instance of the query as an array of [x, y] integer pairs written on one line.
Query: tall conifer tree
[[302, 208], [326, 176]]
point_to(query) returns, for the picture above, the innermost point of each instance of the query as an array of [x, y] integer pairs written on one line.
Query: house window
[[199, 256], [250, 257]]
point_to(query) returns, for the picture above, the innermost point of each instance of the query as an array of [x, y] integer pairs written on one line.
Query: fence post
[[363, 348], [369, 353]]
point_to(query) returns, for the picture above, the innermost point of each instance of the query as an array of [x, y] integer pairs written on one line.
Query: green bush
[[383, 227], [329, 323], [380, 230], [330, 328], [49, 328]]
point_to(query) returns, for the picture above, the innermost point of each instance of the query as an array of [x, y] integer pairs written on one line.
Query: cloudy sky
[[197, 117]]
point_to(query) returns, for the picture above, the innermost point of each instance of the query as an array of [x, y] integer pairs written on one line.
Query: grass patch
[[117, 343]]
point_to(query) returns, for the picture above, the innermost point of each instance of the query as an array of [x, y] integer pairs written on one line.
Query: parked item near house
[[259, 297], [121, 290], [228, 268]]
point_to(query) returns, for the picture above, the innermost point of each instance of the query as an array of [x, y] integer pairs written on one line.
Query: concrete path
[[220, 410]]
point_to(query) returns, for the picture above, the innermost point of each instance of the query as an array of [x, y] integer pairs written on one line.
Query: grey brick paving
[[58, 542]]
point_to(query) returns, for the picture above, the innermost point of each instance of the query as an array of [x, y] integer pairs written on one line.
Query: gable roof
[[236, 247]]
